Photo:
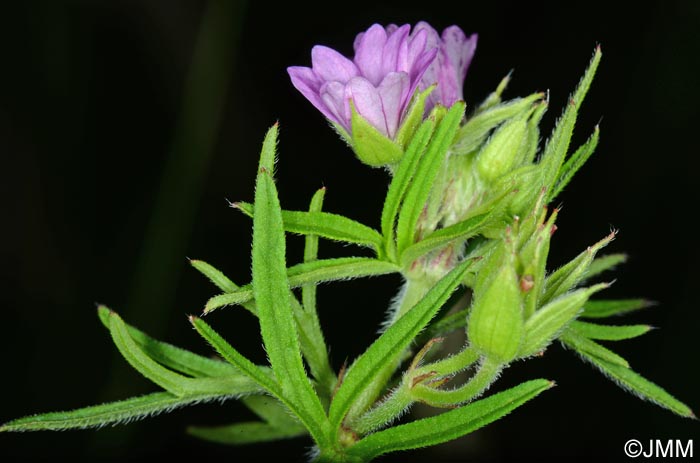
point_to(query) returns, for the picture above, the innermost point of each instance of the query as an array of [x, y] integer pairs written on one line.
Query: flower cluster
[[390, 64]]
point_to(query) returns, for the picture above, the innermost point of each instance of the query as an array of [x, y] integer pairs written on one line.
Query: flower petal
[[367, 101], [333, 96], [368, 54], [330, 65], [392, 49], [307, 82], [393, 92], [459, 49]]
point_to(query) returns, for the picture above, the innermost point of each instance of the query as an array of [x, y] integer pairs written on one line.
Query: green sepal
[[496, 326], [370, 145], [572, 273], [413, 117], [325, 224], [391, 344], [477, 128], [546, 323], [609, 332], [499, 154], [112, 413], [609, 307], [449, 425], [638, 385], [250, 432]]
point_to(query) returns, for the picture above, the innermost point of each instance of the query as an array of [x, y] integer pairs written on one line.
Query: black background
[[91, 98]]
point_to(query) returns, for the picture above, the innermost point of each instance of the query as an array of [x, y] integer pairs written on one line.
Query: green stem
[[413, 291], [450, 365], [383, 413], [484, 377]]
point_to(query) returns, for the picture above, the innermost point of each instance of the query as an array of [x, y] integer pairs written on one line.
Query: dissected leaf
[[608, 332], [603, 308]]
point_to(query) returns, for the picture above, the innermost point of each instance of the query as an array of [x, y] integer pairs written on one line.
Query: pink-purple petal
[[393, 92], [368, 55], [330, 65], [367, 101]]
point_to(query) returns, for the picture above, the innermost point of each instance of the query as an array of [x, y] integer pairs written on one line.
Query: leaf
[[428, 167], [308, 292], [450, 425], [312, 272], [608, 332], [558, 144], [586, 347], [575, 162], [171, 356], [402, 179], [638, 385], [231, 355], [603, 308], [392, 343], [604, 263], [444, 236], [245, 433], [271, 290], [331, 226], [214, 275], [546, 323], [121, 412], [272, 411], [167, 379]]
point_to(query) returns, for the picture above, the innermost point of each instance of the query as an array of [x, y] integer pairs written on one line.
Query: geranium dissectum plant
[[465, 212]]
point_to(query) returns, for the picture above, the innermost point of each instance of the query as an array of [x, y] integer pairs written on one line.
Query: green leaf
[[331, 226], [444, 236], [558, 144], [603, 308], [271, 410], [245, 433], [171, 356], [391, 344], [317, 271], [308, 292], [604, 263], [261, 376], [588, 348], [214, 275], [638, 385], [428, 167], [607, 332], [575, 162], [167, 379], [271, 290], [450, 425], [546, 323], [403, 178], [123, 411]]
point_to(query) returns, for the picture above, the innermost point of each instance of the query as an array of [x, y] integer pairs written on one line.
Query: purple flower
[[380, 80], [449, 68]]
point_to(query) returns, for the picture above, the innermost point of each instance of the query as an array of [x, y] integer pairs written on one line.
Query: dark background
[[125, 124]]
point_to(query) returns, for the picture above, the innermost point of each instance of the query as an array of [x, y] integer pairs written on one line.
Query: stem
[[412, 292], [450, 365], [383, 413], [487, 374]]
